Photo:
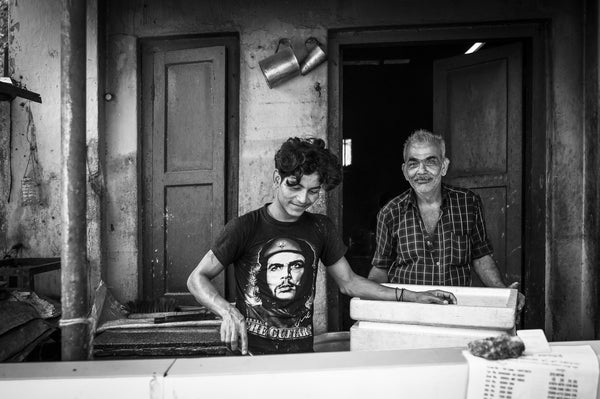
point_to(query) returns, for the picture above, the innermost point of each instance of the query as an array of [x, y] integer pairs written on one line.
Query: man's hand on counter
[[233, 331], [432, 296]]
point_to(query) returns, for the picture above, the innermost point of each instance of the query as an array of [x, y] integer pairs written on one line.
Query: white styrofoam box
[[477, 307], [368, 336]]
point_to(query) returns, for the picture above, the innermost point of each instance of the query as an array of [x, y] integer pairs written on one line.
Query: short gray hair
[[424, 136]]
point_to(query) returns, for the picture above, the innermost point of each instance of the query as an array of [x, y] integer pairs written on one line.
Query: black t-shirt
[[275, 267]]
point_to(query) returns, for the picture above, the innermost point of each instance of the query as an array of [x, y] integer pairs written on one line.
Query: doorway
[[391, 83], [388, 93], [189, 139]]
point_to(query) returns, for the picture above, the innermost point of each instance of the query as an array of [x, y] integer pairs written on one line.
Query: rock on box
[[477, 307]]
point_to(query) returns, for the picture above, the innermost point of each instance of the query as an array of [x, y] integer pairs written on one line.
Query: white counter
[[420, 373]]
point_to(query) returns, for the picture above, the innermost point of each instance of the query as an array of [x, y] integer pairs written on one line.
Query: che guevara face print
[[283, 274]]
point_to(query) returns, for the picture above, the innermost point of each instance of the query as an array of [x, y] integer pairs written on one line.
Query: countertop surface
[[332, 374]]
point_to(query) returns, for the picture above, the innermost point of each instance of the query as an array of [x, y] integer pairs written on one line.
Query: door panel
[[477, 106], [188, 221], [187, 111], [478, 109], [185, 178]]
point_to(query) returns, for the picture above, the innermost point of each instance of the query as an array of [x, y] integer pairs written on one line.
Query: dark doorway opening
[[387, 94]]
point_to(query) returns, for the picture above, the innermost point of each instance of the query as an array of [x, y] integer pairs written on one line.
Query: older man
[[433, 233]]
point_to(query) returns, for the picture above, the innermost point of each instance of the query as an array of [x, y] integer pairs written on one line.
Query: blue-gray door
[[184, 164]]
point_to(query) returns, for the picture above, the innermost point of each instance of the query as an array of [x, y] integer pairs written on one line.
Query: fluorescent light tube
[[474, 47]]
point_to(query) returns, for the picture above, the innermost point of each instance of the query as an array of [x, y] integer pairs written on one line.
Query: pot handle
[[285, 41], [312, 41]]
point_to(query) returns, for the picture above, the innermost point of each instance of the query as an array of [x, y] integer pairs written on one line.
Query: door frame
[[535, 52], [146, 46]]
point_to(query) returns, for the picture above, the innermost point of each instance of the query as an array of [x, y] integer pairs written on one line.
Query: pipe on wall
[[75, 327]]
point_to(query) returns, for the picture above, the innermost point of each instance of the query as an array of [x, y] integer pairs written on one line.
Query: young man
[[275, 251], [433, 233]]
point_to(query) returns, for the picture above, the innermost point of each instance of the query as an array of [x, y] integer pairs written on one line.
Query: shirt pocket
[[460, 249]]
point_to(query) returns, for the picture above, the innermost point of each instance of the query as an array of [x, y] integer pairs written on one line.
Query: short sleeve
[[384, 251], [228, 246], [333, 246]]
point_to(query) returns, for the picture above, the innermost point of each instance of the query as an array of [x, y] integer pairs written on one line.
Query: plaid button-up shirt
[[412, 256]]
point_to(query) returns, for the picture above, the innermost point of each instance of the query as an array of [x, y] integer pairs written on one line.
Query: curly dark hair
[[298, 157]]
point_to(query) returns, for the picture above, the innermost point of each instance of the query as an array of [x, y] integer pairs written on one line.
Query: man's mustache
[[287, 284]]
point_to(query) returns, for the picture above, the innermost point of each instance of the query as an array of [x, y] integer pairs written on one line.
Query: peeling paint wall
[[34, 61], [121, 200]]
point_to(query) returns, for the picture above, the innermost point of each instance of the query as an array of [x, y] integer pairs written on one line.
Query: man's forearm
[[488, 272], [367, 289], [207, 295], [233, 327]]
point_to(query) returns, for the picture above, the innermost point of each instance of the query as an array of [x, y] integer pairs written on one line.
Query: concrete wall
[[34, 61], [121, 200], [295, 109]]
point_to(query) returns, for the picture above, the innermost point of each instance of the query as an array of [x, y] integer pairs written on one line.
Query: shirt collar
[[412, 197]]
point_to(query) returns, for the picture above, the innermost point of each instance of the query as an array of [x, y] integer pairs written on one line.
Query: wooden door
[[184, 162], [478, 108]]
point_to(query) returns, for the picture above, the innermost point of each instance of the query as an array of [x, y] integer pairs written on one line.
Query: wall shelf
[[9, 91]]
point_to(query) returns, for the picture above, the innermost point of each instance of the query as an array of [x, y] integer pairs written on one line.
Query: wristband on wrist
[[399, 298]]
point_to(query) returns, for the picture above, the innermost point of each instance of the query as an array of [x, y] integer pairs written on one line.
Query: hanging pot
[[280, 66], [315, 56]]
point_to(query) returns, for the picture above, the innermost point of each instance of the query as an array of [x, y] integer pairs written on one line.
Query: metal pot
[[280, 66], [315, 56]]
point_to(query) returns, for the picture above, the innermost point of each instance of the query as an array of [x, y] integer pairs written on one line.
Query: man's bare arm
[[354, 285], [488, 272], [233, 326]]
